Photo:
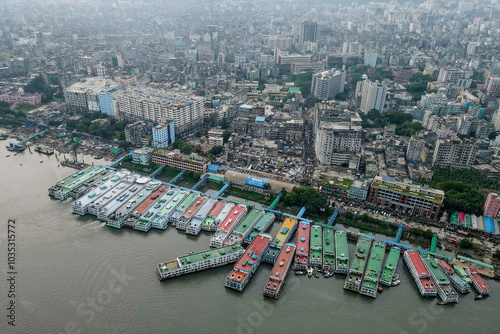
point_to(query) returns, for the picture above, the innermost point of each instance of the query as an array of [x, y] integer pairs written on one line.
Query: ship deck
[[391, 263], [358, 261], [260, 226], [286, 228], [374, 265], [193, 209], [249, 221], [316, 245], [341, 251]]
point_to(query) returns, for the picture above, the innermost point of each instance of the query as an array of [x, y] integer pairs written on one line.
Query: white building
[[186, 110], [415, 150], [455, 76], [371, 58], [454, 153], [372, 95], [163, 135], [327, 84], [141, 156], [84, 95]]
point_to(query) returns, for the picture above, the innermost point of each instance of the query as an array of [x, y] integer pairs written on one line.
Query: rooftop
[[198, 257], [358, 261], [231, 218], [438, 274], [283, 232], [341, 244], [282, 262], [253, 252], [248, 221], [303, 235], [374, 265]]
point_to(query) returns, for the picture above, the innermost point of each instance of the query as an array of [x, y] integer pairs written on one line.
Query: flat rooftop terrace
[[248, 221], [284, 231]]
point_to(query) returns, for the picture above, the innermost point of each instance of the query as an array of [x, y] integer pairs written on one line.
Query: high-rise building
[[337, 134], [493, 86], [415, 150], [492, 206], [371, 58], [106, 100], [282, 43], [308, 32], [372, 95], [455, 76], [327, 84], [454, 152], [186, 110], [163, 135], [220, 60], [355, 47], [471, 48], [84, 95]]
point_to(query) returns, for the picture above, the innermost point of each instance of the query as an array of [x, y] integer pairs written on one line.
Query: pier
[[399, 233], [224, 188], [199, 183], [178, 176], [434, 243], [118, 160], [301, 212], [275, 202], [333, 217], [156, 172]]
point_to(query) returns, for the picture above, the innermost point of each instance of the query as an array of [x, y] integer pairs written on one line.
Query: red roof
[[476, 277], [461, 215], [303, 233], [231, 218], [256, 247], [282, 262], [150, 200], [194, 207], [216, 209], [417, 262]]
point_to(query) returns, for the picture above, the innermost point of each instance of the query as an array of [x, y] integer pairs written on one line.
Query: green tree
[[197, 175], [217, 150], [124, 144], [186, 148], [465, 244], [348, 215], [225, 136], [428, 234], [198, 134], [291, 198]]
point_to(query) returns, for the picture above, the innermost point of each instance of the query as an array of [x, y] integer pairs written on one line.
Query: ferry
[[181, 209], [302, 253], [82, 205], [391, 263], [243, 229], [420, 273], [478, 282], [261, 226], [199, 261], [457, 282], [369, 287], [460, 271], [341, 253], [194, 226], [160, 221], [210, 219], [316, 247], [284, 234], [328, 250], [190, 213], [358, 263], [226, 210], [248, 263], [440, 280], [228, 225], [279, 272]]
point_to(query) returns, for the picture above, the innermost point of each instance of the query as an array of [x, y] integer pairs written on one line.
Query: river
[[76, 275]]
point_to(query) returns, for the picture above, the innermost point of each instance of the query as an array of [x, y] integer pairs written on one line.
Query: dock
[[478, 282], [160, 221], [182, 208]]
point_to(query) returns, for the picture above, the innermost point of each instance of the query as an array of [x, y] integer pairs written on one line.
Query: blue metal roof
[[260, 119]]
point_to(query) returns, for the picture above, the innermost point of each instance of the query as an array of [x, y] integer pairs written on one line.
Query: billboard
[[252, 181]]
